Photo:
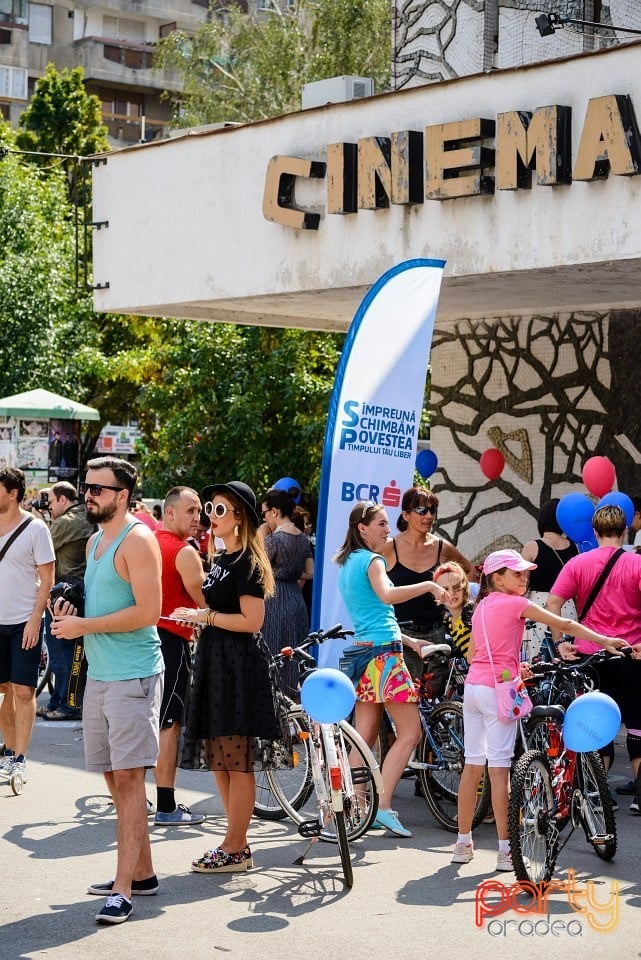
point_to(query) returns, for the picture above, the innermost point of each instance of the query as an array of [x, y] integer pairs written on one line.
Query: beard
[[98, 514]]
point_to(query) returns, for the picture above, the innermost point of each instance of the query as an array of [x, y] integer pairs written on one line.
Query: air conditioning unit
[[336, 90]]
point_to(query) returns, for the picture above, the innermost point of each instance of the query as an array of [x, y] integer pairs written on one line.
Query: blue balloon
[[426, 463], [289, 484], [591, 722], [474, 589], [328, 695], [618, 499], [574, 515], [586, 545]]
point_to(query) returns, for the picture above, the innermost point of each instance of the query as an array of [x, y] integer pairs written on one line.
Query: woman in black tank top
[[412, 556], [550, 553]]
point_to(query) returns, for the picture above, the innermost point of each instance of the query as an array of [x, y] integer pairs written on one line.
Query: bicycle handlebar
[[319, 636], [568, 666]]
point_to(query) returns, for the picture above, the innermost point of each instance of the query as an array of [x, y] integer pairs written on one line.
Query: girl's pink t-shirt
[[502, 613]]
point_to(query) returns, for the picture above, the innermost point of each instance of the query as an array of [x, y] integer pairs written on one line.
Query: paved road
[[407, 899]]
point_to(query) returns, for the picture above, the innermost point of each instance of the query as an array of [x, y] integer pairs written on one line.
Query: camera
[[42, 503], [72, 591]]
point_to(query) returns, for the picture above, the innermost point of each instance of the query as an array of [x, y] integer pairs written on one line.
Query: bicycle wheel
[[595, 811], [534, 835], [343, 847], [44, 670], [359, 788], [442, 750], [294, 783]]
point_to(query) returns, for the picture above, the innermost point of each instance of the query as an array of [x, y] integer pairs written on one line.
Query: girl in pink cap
[[501, 607]]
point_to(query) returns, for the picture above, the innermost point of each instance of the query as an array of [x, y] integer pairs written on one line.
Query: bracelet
[[211, 618]]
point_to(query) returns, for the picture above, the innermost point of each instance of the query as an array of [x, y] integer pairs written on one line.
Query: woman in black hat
[[231, 701]]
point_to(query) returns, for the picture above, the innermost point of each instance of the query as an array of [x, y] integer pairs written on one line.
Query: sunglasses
[[426, 508], [367, 506], [219, 510], [95, 489]]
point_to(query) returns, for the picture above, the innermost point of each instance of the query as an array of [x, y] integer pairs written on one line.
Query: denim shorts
[[17, 665]]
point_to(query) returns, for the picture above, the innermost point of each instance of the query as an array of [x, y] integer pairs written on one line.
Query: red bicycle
[[553, 786]]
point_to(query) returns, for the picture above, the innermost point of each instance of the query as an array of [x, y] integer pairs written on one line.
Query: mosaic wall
[[441, 39], [548, 392]]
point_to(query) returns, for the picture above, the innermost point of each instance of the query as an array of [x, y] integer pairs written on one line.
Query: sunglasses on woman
[[219, 510], [425, 508]]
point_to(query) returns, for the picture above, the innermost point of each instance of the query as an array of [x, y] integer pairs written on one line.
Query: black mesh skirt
[[230, 698]]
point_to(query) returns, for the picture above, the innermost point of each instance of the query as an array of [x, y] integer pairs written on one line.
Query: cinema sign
[[465, 158]]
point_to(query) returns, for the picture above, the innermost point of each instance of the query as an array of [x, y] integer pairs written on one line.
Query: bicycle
[[333, 793], [552, 785]]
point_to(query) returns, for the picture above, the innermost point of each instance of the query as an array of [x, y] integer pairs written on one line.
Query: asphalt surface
[[407, 899]]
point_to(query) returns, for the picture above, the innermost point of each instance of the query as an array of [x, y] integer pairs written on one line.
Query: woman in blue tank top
[[385, 683]]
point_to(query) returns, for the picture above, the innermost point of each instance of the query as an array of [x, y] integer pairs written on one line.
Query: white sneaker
[[6, 762], [504, 861], [463, 853]]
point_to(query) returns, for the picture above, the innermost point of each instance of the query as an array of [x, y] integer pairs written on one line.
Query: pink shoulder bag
[[512, 699]]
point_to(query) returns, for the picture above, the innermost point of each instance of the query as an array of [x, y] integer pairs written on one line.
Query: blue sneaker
[[388, 820], [181, 816]]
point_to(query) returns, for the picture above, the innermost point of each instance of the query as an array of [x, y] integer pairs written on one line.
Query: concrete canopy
[[187, 237]]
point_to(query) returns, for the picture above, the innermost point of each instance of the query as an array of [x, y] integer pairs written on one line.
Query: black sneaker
[[634, 808], [140, 888], [116, 910]]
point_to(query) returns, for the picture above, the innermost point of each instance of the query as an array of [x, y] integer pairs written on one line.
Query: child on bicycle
[[501, 607]]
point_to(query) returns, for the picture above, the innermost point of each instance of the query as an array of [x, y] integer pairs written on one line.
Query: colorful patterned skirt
[[386, 678]]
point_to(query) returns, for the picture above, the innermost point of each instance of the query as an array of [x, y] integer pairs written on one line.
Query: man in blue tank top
[[125, 670]]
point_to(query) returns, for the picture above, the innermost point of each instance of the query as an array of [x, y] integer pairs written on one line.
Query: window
[[40, 23], [5, 36], [166, 28], [13, 11], [13, 83]]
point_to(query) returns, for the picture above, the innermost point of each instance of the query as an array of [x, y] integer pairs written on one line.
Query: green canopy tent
[[43, 404]]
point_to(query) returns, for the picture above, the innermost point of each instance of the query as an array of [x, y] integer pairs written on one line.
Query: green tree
[[38, 297], [244, 402], [62, 118], [242, 68]]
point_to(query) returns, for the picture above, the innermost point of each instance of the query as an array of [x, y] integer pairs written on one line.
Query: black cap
[[240, 491]]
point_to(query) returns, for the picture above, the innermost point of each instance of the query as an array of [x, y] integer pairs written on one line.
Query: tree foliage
[[62, 118], [230, 401], [242, 68], [38, 297]]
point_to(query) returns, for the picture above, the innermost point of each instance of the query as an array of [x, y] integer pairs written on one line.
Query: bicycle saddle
[[428, 649]]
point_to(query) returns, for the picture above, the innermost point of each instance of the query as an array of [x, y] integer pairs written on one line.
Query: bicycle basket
[[436, 670]]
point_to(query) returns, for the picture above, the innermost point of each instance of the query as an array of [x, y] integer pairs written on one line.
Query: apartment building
[[113, 40]]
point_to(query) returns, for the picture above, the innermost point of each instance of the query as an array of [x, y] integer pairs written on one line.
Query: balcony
[[127, 129], [109, 60]]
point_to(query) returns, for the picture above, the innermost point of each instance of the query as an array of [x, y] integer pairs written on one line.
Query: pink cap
[[506, 558]]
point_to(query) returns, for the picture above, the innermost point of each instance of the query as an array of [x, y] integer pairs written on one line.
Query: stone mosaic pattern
[[549, 392]]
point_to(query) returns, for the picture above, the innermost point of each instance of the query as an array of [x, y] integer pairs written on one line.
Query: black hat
[[240, 491]]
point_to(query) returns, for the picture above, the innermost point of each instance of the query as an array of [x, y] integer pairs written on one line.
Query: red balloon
[[599, 475], [492, 463]]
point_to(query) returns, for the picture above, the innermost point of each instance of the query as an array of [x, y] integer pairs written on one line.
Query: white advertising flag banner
[[374, 418]]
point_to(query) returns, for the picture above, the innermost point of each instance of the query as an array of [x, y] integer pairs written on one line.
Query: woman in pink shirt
[[501, 608]]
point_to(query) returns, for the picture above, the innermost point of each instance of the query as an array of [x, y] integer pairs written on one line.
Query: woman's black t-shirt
[[230, 579]]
